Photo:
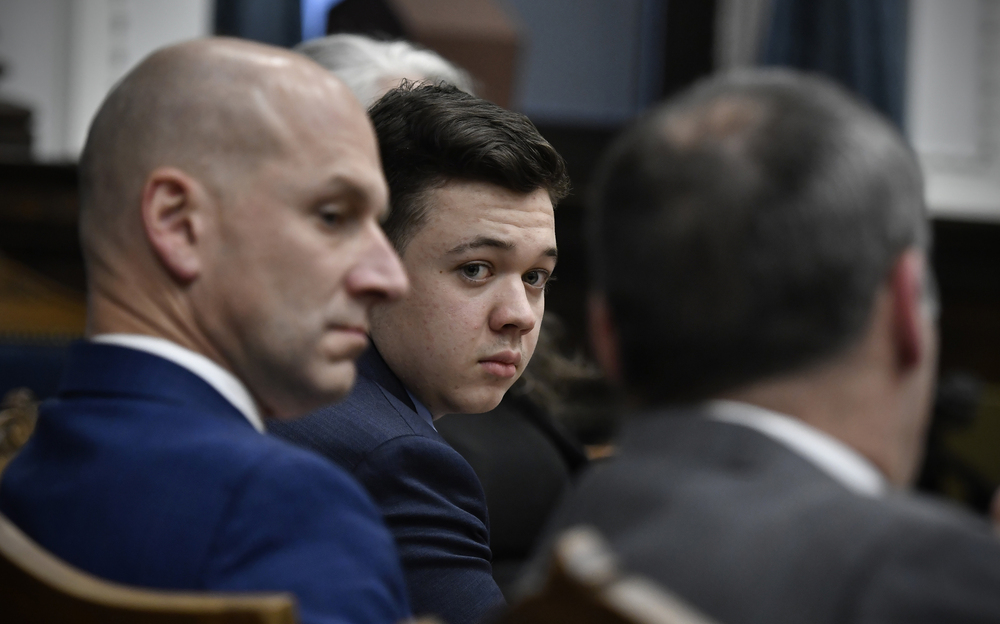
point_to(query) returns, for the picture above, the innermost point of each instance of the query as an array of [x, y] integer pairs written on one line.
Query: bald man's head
[[209, 107], [231, 202]]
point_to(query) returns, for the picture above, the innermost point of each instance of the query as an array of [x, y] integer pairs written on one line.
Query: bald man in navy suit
[[231, 197]]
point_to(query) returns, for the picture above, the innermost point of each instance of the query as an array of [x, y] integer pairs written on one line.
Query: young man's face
[[477, 268]]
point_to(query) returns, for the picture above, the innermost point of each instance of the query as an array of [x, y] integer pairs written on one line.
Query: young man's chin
[[479, 402]]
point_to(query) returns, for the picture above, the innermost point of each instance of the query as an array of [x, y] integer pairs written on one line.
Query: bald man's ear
[[907, 282], [172, 214], [604, 336]]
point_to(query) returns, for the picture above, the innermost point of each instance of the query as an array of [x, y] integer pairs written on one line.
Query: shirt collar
[[828, 453], [422, 411], [224, 382]]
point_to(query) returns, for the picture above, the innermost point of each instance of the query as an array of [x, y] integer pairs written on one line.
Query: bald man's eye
[[331, 215]]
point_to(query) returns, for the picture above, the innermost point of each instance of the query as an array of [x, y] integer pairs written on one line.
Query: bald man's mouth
[[355, 337]]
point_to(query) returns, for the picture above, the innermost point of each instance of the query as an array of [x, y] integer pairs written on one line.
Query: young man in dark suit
[[763, 292], [231, 194], [472, 188]]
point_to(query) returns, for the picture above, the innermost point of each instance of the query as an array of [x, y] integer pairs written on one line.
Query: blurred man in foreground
[[231, 194], [472, 188], [763, 291]]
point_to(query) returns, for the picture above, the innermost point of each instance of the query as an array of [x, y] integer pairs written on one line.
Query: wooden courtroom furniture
[[34, 305], [38, 588], [18, 414], [584, 586]]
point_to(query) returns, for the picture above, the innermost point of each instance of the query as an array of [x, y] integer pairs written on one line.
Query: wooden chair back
[[38, 588], [584, 586]]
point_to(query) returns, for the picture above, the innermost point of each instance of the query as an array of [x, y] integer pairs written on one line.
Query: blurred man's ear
[[913, 307], [172, 223], [604, 336]]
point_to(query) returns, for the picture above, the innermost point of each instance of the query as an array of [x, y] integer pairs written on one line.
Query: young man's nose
[[513, 311]]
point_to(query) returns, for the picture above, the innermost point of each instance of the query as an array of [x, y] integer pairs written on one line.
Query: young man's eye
[[537, 278], [475, 271]]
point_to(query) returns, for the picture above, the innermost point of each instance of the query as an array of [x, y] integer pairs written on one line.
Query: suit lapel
[[372, 367]]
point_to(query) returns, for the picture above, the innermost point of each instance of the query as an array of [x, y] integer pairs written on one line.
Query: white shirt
[[224, 382], [829, 454]]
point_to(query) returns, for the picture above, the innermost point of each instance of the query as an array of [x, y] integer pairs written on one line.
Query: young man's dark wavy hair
[[430, 134]]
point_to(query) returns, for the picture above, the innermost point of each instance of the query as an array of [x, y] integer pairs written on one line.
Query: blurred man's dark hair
[[743, 230]]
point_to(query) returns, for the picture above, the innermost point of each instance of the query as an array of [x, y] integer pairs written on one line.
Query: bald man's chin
[[330, 385]]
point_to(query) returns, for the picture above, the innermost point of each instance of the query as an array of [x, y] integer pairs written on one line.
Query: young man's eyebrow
[[487, 241], [482, 241]]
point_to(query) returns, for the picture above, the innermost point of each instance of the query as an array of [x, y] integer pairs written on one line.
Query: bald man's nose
[[379, 273]]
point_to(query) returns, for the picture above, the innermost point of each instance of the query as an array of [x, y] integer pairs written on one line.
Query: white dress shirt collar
[[829, 454], [224, 382]]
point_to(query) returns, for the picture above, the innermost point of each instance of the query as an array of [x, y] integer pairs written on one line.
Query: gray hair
[[370, 67]]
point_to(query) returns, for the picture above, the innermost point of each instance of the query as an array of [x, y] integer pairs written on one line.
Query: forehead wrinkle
[[268, 116]]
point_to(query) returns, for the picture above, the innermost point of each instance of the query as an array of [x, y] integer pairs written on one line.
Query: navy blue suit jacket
[[429, 495], [141, 473]]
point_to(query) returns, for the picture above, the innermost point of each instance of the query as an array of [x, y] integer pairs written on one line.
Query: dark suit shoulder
[[750, 531], [428, 494], [933, 562], [165, 494], [435, 507], [418, 470], [347, 431], [336, 555]]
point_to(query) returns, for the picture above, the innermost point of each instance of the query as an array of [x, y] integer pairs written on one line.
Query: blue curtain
[[278, 22], [861, 43], [314, 13]]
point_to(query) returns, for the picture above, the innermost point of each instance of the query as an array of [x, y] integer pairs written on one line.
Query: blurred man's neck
[[856, 397], [110, 312]]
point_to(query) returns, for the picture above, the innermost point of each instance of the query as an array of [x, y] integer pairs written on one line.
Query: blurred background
[[580, 69]]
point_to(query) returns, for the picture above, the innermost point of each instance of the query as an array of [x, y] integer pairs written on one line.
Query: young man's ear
[[172, 217], [604, 336], [912, 304]]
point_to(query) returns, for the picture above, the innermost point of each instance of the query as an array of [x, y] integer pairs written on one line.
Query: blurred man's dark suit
[[429, 495], [737, 522]]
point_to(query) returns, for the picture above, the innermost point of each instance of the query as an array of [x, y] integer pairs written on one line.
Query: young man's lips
[[503, 365]]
